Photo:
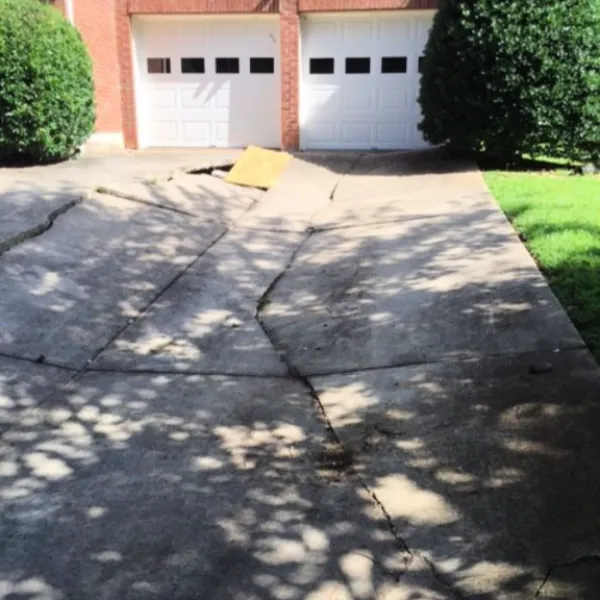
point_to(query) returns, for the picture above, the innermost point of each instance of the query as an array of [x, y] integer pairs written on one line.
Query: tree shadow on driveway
[[426, 441]]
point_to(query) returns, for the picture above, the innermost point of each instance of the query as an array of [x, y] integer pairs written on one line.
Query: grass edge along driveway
[[558, 217]]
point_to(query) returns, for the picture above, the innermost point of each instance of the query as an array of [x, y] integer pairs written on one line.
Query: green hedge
[[507, 77], [46, 87]]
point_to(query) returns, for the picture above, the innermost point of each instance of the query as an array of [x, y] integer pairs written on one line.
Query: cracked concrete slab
[[388, 174], [111, 492], [483, 466], [457, 286], [198, 195], [302, 190], [581, 575], [176, 486], [206, 321], [69, 291], [92, 170], [404, 203], [392, 187], [30, 209], [23, 385]]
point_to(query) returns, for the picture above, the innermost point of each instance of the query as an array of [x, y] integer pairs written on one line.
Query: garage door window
[[227, 65], [394, 64], [321, 66], [262, 65], [192, 65], [357, 66], [159, 65]]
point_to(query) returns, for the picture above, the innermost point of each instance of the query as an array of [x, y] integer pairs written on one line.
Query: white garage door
[[207, 82], [360, 80]]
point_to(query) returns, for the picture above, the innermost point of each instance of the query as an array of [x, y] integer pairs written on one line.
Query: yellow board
[[257, 167]]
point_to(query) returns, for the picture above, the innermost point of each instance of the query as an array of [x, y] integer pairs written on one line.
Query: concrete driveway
[[356, 385]]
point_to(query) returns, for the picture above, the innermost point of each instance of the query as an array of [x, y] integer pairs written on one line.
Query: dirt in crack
[[334, 459]]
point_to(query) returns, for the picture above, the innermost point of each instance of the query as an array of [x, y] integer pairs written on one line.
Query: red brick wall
[[95, 20], [202, 6], [290, 57], [123, 28]]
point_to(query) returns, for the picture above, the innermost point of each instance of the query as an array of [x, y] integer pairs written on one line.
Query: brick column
[[290, 57], [94, 19], [123, 27]]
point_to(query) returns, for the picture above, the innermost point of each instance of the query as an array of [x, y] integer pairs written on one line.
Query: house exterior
[[310, 74]]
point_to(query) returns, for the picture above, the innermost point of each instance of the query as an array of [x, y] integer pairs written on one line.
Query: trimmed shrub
[[46, 88], [509, 77]]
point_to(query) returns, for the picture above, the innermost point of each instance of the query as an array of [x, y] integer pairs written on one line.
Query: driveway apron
[[354, 386]]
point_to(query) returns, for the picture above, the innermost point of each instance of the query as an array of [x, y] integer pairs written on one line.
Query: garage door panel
[[163, 98], [366, 104], [165, 130], [322, 30], [398, 32], [196, 97], [324, 134], [359, 100], [393, 99], [221, 133], [206, 102], [192, 130], [356, 134], [323, 102], [358, 32], [389, 132]]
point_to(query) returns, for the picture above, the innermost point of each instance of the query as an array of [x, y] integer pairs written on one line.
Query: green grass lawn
[[558, 217]]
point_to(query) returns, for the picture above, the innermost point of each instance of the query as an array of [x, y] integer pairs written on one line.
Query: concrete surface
[[459, 285], [88, 171], [206, 322], [481, 464], [70, 290], [196, 195], [302, 191], [28, 211], [356, 386], [24, 385], [111, 492]]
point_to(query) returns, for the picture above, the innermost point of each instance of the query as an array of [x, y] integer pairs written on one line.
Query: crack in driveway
[[585, 558], [40, 228]]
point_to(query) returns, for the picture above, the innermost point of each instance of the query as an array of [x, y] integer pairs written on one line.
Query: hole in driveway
[[210, 170]]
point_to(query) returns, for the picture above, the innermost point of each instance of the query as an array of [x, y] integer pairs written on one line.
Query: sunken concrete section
[[206, 322], [302, 191], [191, 487], [485, 467], [69, 291], [460, 285], [196, 195]]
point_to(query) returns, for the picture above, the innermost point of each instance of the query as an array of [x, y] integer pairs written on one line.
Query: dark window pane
[[358, 65], [159, 65], [321, 66], [262, 65], [393, 64], [227, 65], [421, 59], [192, 65]]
